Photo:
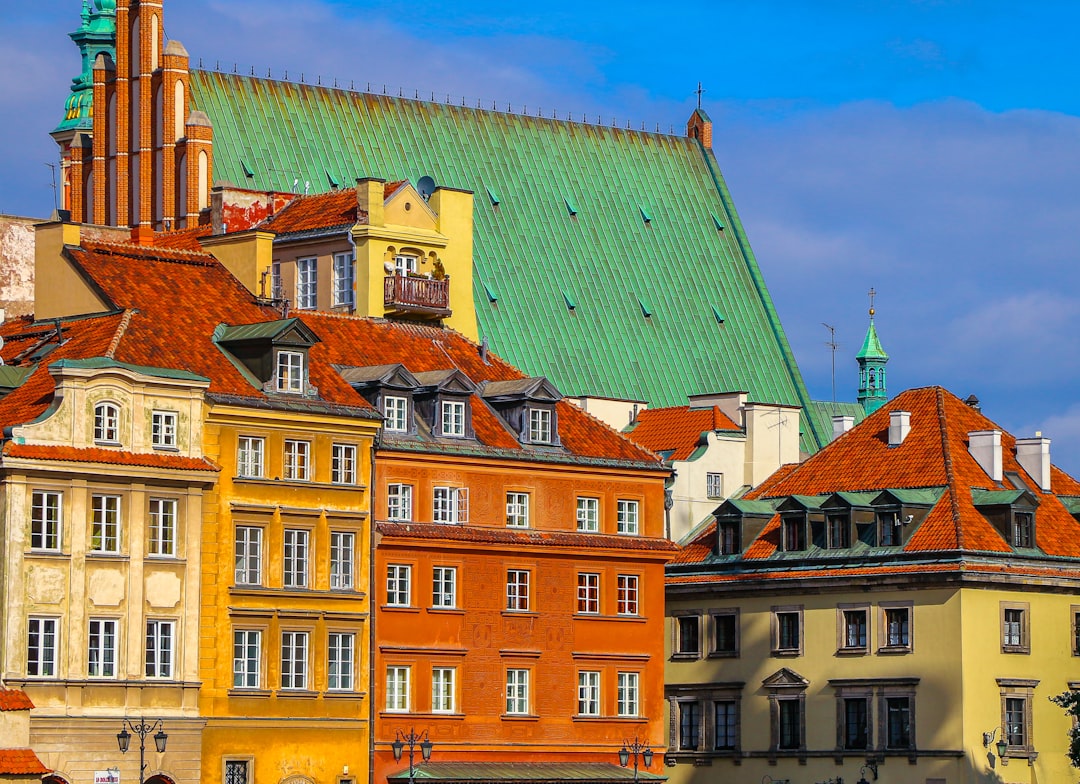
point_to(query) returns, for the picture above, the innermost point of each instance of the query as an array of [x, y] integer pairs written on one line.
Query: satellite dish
[[425, 187]]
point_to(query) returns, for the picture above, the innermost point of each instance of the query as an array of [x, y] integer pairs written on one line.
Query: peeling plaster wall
[[17, 265]]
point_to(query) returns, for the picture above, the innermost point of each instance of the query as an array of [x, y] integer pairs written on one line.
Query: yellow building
[[891, 609]]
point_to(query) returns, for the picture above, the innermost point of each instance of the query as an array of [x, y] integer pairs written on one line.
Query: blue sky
[[929, 149]]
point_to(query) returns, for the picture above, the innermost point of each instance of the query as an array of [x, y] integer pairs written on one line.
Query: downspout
[[371, 605]]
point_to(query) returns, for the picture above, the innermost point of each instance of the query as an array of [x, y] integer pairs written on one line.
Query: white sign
[[110, 776]]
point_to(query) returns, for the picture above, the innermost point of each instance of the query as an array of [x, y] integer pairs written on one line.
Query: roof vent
[[985, 447], [899, 427], [841, 423], [973, 402], [1033, 455]]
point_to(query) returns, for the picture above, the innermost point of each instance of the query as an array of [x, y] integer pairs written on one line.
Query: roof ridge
[[155, 252], [950, 474], [121, 329], [623, 436]]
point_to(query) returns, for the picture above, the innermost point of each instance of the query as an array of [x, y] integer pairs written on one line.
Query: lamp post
[[1002, 745], [871, 765], [635, 749], [412, 740], [141, 728]]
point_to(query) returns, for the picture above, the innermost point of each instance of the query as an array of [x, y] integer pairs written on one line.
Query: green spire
[[872, 359], [96, 35]]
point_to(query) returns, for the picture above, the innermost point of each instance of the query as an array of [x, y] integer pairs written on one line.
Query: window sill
[[592, 719], [894, 650], [852, 651], [723, 654], [344, 694], [165, 558], [93, 554], [46, 554], [235, 692], [108, 443], [519, 717], [165, 448], [290, 694], [520, 614], [436, 715], [1022, 649], [786, 653], [685, 656], [399, 608], [446, 610]]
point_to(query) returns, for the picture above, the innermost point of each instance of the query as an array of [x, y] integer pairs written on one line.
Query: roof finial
[[872, 294], [699, 91]]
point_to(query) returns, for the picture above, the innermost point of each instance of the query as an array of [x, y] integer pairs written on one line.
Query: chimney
[[985, 447], [1033, 455], [841, 424], [217, 209], [899, 427]]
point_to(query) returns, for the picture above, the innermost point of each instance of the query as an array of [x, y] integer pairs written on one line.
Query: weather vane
[[699, 91], [872, 294]]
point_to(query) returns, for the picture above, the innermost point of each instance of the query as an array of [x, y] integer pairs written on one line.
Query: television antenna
[[833, 345]]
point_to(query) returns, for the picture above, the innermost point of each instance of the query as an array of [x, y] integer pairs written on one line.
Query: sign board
[[110, 776]]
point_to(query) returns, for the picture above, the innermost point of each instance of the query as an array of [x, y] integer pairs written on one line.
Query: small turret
[[96, 35], [872, 360]]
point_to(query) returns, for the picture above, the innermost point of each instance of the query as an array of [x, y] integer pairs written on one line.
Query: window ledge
[[786, 653], [164, 558], [235, 692], [296, 693], [46, 554], [723, 655], [446, 610], [894, 650], [520, 614], [108, 443], [344, 694], [591, 719], [399, 608], [93, 554], [164, 448], [519, 717], [1016, 649], [852, 651], [685, 656]]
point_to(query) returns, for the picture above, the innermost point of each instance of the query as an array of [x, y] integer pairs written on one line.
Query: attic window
[[396, 411], [106, 424], [452, 418], [289, 376], [1023, 529], [794, 533], [247, 169], [540, 425], [570, 304], [727, 538]]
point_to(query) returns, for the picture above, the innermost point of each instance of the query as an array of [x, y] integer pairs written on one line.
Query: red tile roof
[[678, 428], [21, 762], [322, 211], [511, 538], [14, 700], [183, 239], [108, 456]]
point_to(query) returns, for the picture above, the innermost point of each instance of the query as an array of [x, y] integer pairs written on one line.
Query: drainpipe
[[371, 610]]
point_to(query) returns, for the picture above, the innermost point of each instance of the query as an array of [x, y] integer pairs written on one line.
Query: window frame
[[588, 514], [246, 667], [399, 585], [846, 614], [628, 694], [715, 651], [449, 505], [102, 656], [48, 526], [688, 724], [295, 558], [307, 283], [517, 509], [250, 457], [888, 519], [1074, 614], [1023, 691], [714, 485], [340, 661], [453, 418], [684, 643], [295, 668], [162, 527], [837, 529], [588, 593], [588, 693], [517, 590], [793, 706], [42, 646], [163, 429], [290, 371], [628, 517], [518, 702], [160, 649], [398, 688], [628, 595], [885, 637], [342, 560], [249, 548], [297, 460], [1015, 634], [541, 425], [106, 520], [343, 464], [230, 770], [395, 410], [781, 618], [1022, 529], [399, 502], [443, 689], [107, 423], [444, 587], [793, 533], [344, 269]]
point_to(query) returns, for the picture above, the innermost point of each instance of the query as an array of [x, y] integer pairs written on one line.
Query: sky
[[928, 149]]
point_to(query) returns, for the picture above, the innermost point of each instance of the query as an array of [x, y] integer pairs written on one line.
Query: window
[[790, 723], [714, 485], [159, 649], [794, 533], [450, 505], [517, 692], [517, 510], [627, 595], [344, 279], [897, 629], [341, 655], [1017, 697], [398, 585], [106, 423], [277, 288], [540, 426], [1076, 630], [399, 502], [853, 629], [727, 538], [588, 690], [1014, 628], [725, 633], [297, 460], [41, 645], [687, 636], [627, 699], [307, 283], [342, 547], [45, 519], [105, 525], [403, 265], [296, 559], [249, 456], [588, 593], [689, 725], [1015, 723], [839, 530], [452, 418], [1023, 529], [787, 630], [397, 689], [343, 464], [163, 429], [396, 413], [236, 772], [101, 656], [898, 722], [444, 587], [888, 525], [517, 590], [588, 514], [726, 723], [443, 689], [248, 555], [162, 526], [627, 514], [290, 372], [855, 723], [247, 656], [294, 651]]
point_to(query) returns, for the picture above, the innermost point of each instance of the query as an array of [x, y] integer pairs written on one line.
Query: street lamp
[[142, 729], [871, 765], [412, 740], [1002, 745], [635, 749]]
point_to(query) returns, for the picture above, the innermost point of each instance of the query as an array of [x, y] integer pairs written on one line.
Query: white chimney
[[985, 447], [1033, 455], [841, 424], [899, 427]]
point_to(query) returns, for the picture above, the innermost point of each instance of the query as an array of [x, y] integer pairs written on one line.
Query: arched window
[[106, 423]]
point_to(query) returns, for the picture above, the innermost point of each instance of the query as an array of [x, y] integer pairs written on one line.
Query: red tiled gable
[[1063, 484], [14, 700], [322, 211], [678, 428], [504, 536], [109, 456], [21, 762]]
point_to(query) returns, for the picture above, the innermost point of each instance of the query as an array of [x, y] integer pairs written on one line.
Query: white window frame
[[294, 660], [398, 585], [628, 595], [160, 648], [714, 485], [517, 590], [103, 642], [588, 514], [517, 510], [399, 502], [628, 517], [452, 418], [343, 464], [247, 658], [540, 425], [163, 516], [341, 661], [588, 698], [443, 689], [628, 697], [250, 451], [307, 283], [297, 460], [404, 264], [517, 692], [295, 557], [444, 587], [106, 519], [396, 413], [248, 555], [107, 423], [289, 372], [397, 688], [342, 560], [42, 646], [344, 279], [163, 427], [46, 520], [450, 505], [588, 593]]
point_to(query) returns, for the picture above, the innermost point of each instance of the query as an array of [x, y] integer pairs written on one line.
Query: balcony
[[416, 296]]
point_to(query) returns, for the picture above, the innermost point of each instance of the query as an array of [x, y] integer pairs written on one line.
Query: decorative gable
[[785, 679], [1011, 512], [274, 353], [443, 402], [390, 389]]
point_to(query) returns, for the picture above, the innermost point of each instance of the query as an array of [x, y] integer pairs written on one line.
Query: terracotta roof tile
[[508, 537], [319, 211], [108, 456], [183, 239], [21, 762], [14, 700], [678, 429]]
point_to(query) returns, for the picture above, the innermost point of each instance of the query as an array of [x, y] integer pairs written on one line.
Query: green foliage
[[1070, 701]]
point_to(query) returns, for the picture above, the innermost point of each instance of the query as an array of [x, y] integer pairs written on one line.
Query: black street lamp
[[412, 740], [142, 729], [635, 749]]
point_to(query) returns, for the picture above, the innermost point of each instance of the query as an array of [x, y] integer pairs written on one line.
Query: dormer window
[[290, 372], [452, 418], [727, 535], [540, 425], [888, 526], [1023, 529], [838, 530], [106, 423], [794, 533], [528, 406], [396, 411]]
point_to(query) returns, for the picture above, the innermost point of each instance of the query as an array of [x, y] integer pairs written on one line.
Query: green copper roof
[[821, 412], [871, 347], [96, 35], [104, 363], [589, 294]]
